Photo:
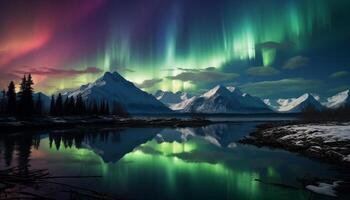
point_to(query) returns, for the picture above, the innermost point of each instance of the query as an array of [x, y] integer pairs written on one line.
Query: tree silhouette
[[71, 105], [29, 95], [52, 106], [80, 105], [66, 106], [59, 105], [3, 103], [119, 110], [11, 99], [26, 105], [22, 96]]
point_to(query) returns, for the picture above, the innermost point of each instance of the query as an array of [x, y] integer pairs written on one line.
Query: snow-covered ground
[[328, 132], [327, 141]]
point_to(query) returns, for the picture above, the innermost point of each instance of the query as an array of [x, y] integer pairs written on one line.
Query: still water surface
[[155, 163]]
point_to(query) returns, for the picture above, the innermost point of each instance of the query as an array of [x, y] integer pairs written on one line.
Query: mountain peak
[[235, 90], [219, 89], [339, 100], [113, 88], [115, 76], [300, 103]]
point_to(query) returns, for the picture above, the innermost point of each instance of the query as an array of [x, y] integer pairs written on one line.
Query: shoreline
[[11, 124], [310, 139]]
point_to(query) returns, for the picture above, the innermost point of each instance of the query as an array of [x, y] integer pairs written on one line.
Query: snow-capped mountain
[[170, 98], [222, 99], [295, 105], [112, 87], [339, 100]]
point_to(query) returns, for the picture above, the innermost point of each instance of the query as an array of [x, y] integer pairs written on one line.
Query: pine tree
[[79, 105], [52, 106], [119, 110], [71, 109], [3, 103], [29, 93], [66, 106], [11, 99], [102, 108], [107, 108], [22, 96], [95, 108], [59, 105]]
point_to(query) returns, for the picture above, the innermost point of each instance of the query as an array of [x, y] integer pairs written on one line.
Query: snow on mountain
[[272, 104], [170, 98], [112, 87], [222, 100], [295, 105], [180, 106], [339, 100]]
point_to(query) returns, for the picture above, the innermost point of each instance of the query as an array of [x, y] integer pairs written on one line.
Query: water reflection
[[152, 163]]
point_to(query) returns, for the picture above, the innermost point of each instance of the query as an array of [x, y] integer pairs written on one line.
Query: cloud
[[262, 71], [6, 77], [121, 69], [47, 71], [197, 70], [339, 74], [275, 45], [204, 76], [149, 83], [265, 88], [296, 62]]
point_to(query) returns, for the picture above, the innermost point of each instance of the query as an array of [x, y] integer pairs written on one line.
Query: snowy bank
[[327, 141]]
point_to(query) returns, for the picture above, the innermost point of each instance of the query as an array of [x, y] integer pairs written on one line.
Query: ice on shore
[[324, 188]]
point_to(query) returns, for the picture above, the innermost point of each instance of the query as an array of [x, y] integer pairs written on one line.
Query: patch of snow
[[159, 138], [324, 188], [328, 132], [338, 100], [183, 104], [267, 102], [347, 158], [222, 99], [170, 98], [298, 104], [232, 145], [212, 140]]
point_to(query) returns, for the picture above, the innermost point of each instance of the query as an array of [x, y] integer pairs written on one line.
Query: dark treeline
[[65, 106], [22, 104], [77, 106], [16, 149], [338, 114]]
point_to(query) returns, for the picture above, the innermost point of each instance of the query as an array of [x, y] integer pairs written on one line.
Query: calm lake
[[156, 163]]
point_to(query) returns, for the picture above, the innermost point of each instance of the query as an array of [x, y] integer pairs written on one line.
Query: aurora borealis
[[284, 47]]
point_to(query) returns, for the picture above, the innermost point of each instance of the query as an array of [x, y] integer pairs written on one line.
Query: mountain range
[[112, 87], [222, 99]]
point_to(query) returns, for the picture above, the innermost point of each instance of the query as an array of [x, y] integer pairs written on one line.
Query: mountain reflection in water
[[154, 163]]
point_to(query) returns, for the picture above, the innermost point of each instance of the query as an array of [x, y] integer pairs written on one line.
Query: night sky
[[269, 48]]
